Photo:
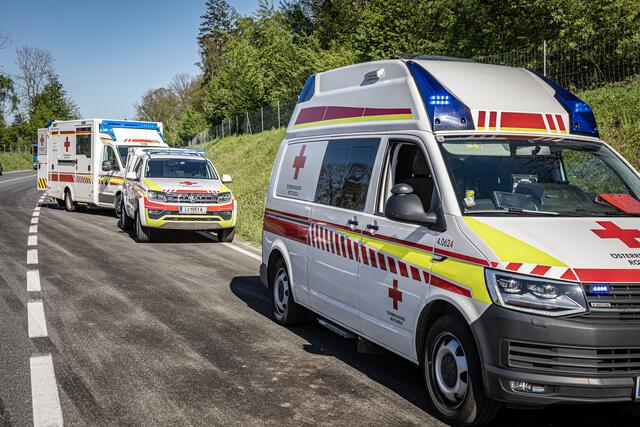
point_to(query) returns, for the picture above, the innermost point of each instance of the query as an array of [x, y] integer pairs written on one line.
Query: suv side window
[[345, 173], [138, 167]]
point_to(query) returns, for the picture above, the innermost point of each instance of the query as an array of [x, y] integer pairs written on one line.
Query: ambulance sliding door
[[83, 176]]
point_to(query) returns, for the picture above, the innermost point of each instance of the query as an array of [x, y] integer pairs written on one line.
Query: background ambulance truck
[[468, 218], [81, 162]]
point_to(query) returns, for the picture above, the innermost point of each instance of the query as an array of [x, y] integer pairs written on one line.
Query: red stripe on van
[[552, 125], [448, 286], [293, 231], [403, 269], [363, 250], [372, 257], [415, 273], [492, 119], [392, 265], [310, 114], [381, 261], [481, 117], [560, 122], [522, 120], [336, 242]]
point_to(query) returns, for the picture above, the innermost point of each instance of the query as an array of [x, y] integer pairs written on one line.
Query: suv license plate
[[193, 209], [636, 393]]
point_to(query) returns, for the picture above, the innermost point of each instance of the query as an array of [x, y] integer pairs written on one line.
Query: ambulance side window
[[138, 168], [83, 142], [406, 164], [345, 173], [109, 154]]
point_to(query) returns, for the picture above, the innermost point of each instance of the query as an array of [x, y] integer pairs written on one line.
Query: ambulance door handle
[[353, 223], [373, 227]]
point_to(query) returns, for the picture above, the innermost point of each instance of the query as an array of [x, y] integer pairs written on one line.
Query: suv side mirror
[[226, 179], [132, 176], [405, 206], [108, 165]]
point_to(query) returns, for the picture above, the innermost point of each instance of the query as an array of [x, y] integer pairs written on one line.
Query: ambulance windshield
[[179, 168], [529, 177]]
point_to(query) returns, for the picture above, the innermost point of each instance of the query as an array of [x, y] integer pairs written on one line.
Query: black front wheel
[[143, 234], [285, 310], [453, 374], [124, 221], [117, 205], [69, 204], [226, 235]]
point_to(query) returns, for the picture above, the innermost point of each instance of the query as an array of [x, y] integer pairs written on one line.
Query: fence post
[[248, 123], [262, 119], [544, 58], [278, 114]]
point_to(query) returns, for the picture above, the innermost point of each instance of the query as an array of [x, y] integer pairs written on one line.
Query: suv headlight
[[535, 295], [157, 195], [224, 197]]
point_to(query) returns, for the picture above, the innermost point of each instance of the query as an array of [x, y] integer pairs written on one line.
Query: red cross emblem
[[299, 161], [395, 294], [611, 231], [67, 144], [187, 183], [41, 140]]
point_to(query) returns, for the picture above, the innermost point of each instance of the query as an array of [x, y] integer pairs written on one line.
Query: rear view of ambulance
[[468, 218], [81, 162]]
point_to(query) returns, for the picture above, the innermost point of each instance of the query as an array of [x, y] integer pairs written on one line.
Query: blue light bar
[[106, 126], [583, 121], [599, 289], [182, 151], [308, 89], [445, 110]]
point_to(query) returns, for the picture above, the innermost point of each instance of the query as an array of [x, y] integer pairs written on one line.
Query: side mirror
[[132, 176], [405, 206], [108, 165], [226, 179]]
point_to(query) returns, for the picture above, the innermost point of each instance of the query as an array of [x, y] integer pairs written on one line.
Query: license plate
[[193, 209], [637, 389]]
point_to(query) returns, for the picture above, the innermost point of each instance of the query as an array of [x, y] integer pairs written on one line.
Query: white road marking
[[32, 256], [37, 209], [44, 393], [34, 220], [33, 281], [242, 251], [15, 179], [32, 240], [33, 229], [36, 214], [37, 322]]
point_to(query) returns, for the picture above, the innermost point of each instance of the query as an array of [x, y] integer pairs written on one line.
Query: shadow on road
[[405, 379]]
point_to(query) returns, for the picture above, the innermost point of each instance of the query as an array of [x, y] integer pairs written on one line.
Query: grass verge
[[15, 161]]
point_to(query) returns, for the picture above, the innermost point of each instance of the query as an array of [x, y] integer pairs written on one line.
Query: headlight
[[535, 295], [157, 195], [224, 197]]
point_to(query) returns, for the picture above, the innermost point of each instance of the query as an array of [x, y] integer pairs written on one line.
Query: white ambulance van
[[81, 162], [468, 218]]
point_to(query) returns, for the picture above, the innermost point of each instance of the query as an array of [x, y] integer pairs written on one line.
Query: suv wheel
[[124, 222], [226, 234], [143, 234], [453, 374], [117, 204], [285, 310]]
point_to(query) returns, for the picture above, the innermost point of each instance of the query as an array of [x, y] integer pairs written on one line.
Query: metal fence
[[573, 66]]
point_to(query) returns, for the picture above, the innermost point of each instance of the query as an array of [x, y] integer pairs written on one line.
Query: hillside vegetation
[[15, 161], [249, 158]]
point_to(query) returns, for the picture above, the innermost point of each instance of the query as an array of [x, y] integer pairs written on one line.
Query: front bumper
[[165, 216], [576, 361]]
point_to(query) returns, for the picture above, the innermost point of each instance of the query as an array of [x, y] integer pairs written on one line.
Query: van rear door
[[41, 147]]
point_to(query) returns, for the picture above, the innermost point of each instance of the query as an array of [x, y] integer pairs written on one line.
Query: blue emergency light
[[583, 121], [599, 289], [445, 110], [106, 126], [308, 89]]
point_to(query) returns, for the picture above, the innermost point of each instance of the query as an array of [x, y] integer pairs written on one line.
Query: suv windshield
[[179, 168], [529, 177]]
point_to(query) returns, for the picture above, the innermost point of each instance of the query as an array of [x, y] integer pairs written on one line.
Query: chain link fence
[[573, 66]]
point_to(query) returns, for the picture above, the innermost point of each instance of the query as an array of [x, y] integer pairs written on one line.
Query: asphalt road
[[179, 332]]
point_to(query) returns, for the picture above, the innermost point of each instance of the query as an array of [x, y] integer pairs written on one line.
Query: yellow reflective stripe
[[466, 274], [355, 119], [508, 248], [152, 185]]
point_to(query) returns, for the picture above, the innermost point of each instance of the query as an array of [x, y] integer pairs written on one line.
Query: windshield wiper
[[512, 210]]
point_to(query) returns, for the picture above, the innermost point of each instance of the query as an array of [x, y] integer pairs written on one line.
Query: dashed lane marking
[[32, 240], [44, 392], [34, 220], [33, 229], [37, 209], [37, 322], [33, 281], [32, 256], [36, 214]]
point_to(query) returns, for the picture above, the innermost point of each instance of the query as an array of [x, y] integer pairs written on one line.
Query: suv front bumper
[[575, 361]]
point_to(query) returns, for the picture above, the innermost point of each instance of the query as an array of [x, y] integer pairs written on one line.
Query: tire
[[226, 235], [60, 203], [285, 310], [69, 204], [453, 374], [124, 221], [143, 234], [117, 205]]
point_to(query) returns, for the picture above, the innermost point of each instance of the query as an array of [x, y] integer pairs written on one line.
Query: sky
[[108, 53]]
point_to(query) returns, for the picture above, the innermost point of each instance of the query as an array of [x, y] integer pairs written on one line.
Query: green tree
[[191, 123], [217, 24]]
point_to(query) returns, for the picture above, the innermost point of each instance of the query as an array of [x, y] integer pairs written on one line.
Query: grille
[[622, 303], [574, 360], [197, 198]]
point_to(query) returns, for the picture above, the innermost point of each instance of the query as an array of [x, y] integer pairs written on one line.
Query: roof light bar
[[308, 89], [200, 153], [445, 110], [106, 126], [583, 121]]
